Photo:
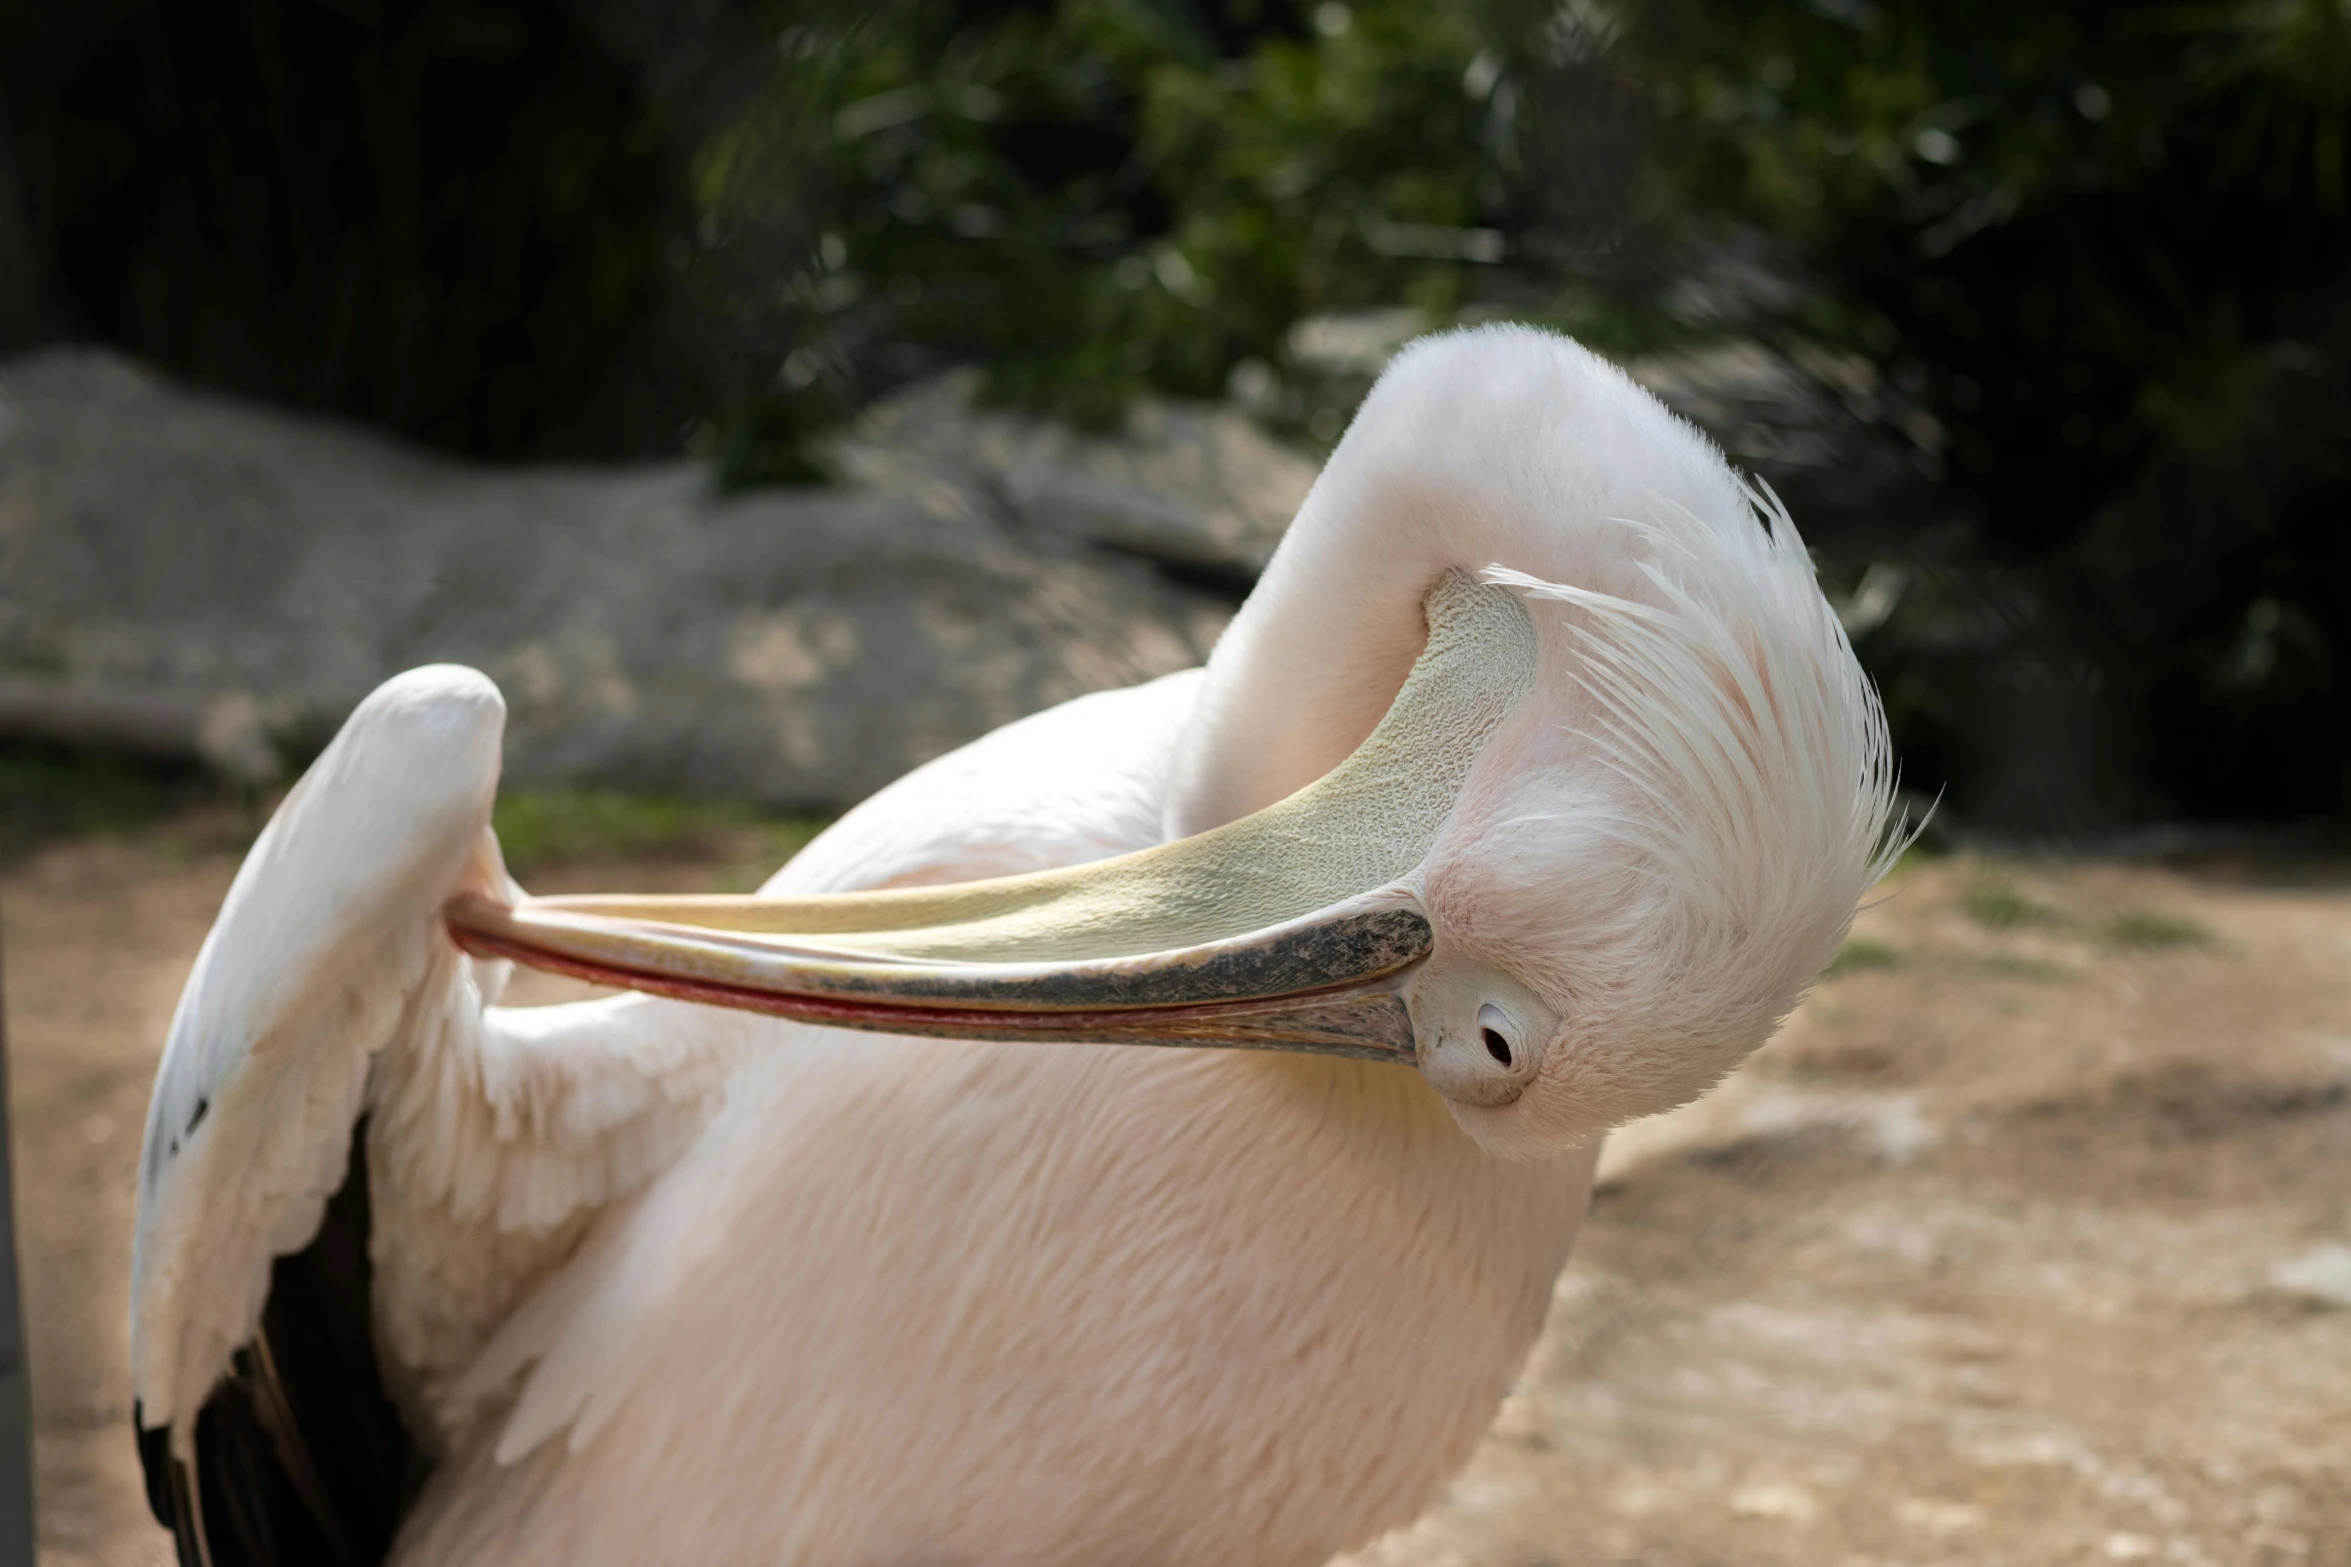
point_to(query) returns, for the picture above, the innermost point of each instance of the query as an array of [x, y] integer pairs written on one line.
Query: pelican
[[876, 1222]]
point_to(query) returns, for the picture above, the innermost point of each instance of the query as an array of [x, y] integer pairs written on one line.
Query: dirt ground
[[2028, 1241]]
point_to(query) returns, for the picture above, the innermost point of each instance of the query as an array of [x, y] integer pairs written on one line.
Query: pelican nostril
[[1496, 1045]]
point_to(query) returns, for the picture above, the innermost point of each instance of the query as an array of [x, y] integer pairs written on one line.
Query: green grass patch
[[1995, 903], [543, 826], [47, 793], [2008, 966], [1860, 953], [1920, 852], [2152, 930]]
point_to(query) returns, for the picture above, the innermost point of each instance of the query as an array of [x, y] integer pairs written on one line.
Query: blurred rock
[[1195, 487], [222, 731], [2320, 1276], [1358, 342], [798, 646]]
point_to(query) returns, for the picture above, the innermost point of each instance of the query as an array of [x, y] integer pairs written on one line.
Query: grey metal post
[[16, 1401]]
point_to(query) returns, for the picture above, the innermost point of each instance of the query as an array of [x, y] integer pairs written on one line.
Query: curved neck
[[1311, 662], [1499, 445]]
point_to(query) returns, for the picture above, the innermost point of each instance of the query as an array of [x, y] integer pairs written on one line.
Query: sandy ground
[[2027, 1241]]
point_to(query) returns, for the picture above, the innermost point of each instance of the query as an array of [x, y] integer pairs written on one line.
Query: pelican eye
[[1494, 1029]]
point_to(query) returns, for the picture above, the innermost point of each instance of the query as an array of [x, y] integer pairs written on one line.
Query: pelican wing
[[353, 1165]]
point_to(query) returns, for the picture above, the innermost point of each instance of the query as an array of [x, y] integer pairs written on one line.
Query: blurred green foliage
[[2152, 930], [2039, 971], [47, 793], [1096, 197], [541, 827], [2098, 255], [1109, 196], [1994, 902], [1860, 955], [2056, 300]]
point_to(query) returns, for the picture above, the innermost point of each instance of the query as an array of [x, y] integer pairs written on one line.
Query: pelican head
[[1537, 762], [1660, 850]]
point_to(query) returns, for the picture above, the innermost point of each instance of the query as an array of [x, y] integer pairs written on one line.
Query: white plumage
[[659, 1282]]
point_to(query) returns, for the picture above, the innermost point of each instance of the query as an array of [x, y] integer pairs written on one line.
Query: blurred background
[[772, 396], [2039, 316]]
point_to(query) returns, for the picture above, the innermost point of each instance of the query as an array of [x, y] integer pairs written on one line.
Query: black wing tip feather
[[300, 1456]]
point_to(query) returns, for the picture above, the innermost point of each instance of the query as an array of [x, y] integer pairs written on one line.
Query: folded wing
[[353, 1164]]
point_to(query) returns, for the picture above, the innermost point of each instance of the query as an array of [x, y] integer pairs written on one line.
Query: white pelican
[[1523, 797]]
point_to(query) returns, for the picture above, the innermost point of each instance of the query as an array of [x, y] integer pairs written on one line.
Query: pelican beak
[[1289, 929], [1323, 983]]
